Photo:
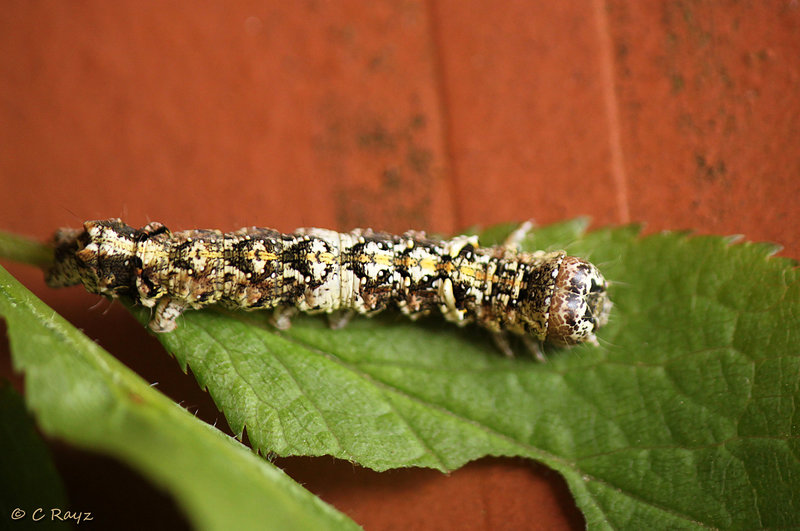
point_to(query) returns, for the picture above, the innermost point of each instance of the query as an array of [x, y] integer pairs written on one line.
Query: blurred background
[[393, 114]]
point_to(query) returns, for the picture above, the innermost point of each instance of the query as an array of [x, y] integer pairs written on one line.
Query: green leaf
[[29, 477], [684, 417], [80, 393]]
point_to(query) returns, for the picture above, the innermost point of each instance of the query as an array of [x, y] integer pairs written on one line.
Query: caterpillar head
[[579, 304], [101, 257]]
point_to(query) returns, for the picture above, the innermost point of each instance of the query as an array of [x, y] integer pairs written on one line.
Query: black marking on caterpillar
[[547, 296]]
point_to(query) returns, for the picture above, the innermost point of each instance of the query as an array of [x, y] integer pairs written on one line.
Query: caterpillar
[[544, 296]]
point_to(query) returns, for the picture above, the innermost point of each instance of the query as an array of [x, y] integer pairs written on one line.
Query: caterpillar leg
[[282, 318], [339, 319], [501, 341], [535, 348], [167, 311], [516, 238]]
